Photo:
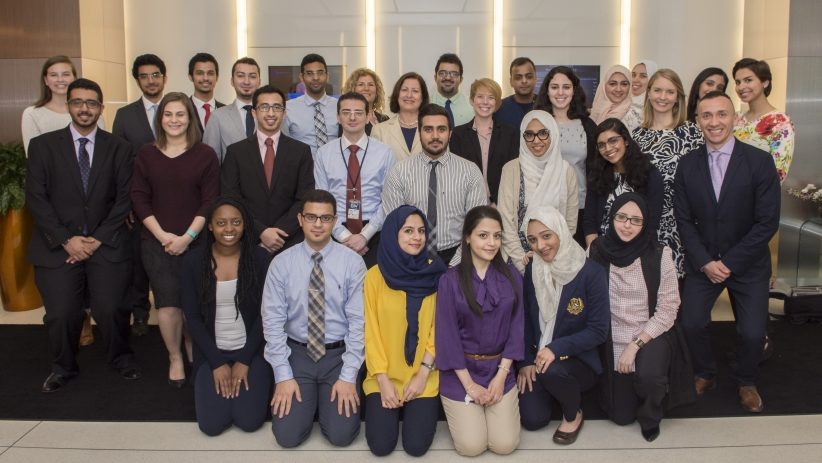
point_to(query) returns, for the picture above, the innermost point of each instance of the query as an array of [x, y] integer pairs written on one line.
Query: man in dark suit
[[77, 189], [270, 172], [203, 72], [135, 124], [727, 209]]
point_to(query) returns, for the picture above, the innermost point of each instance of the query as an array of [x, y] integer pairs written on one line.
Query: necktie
[[152, 118], [716, 172], [450, 112], [432, 205], [268, 161], [353, 189], [85, 163], [207, 109], [319, 125], [249, 121], [316, 310]]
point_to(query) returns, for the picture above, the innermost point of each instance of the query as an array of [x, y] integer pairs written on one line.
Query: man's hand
[[283, 394], [357, 243], [78, 249], [716, 271], [348, 399], [273, 239]]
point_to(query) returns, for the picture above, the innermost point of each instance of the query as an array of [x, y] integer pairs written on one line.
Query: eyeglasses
[[357, 113], [610, 143], [312, 218], [622, 218], [318, 73], [78, 103], [452, 74], [543, 134], [265, 107], [153, 75]]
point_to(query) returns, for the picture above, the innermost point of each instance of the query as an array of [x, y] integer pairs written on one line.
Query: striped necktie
[[432, 206], [319, 125], [316, 310]]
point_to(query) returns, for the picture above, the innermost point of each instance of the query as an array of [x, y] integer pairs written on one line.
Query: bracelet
[[430, 366], [470, 387], [191, 233], [500, 367]]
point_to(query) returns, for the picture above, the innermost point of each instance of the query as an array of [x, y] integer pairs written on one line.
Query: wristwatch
[[639, 343]]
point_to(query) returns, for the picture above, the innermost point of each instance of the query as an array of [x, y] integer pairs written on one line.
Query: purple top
[[458, 331], [174, 190]]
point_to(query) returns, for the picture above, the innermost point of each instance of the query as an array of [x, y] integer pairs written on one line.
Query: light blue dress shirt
[[299, 119], [331, 174], [285, 305]]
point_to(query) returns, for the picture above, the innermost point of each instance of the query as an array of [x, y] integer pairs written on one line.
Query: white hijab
[[550, 277], [650, 69], [544, 176]]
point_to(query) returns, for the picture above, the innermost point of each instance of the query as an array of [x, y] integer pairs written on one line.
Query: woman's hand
[[544, 359], [416, 385], [527, 257], [496, 388], [239, 375], [178, 244], [479, 394], [222, 381], [526, 378], [388, 393], [627, 360]]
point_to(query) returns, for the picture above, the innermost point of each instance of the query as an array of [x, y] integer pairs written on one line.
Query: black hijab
[[418, 276], [611, 248]]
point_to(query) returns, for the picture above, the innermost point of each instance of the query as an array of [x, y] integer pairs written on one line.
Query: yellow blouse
[[385, 327]]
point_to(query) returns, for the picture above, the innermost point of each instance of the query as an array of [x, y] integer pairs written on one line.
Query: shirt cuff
[[349, 374], [283, 373], [368, 231]]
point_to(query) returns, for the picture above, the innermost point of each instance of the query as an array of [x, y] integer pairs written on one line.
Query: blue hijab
[[417, 276]]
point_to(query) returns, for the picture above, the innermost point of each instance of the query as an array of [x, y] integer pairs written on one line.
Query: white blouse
[[229, 328]]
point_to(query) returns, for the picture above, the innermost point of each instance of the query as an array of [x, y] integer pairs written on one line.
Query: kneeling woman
[[400, 297], [222, 284], [644, 301], [479, 325], [566, 320]]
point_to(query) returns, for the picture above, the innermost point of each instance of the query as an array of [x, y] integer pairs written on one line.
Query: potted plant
[[17, 287]]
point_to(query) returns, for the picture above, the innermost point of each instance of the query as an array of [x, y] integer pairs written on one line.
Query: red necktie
[[268, 161], [353, 190], [207, 108]]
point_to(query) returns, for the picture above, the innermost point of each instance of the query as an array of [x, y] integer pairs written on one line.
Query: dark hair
[[450, 58], [266, 89], [693, 96], [466, 266], [245, 60], [85, 84], [431, 109], [193, 134], [635, 163], [394, 102], [352, 96], [202, 58], [45, 92], [147, 60], [312, 58], [319, 196], [760, 69], [577, 108], [519, 62], [247, 277], [715, 94]]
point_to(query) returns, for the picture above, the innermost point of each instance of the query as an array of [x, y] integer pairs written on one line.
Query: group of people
[[491, 256]]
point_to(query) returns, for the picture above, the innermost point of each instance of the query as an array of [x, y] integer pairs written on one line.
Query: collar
[[75, 135], [325, 251], [727, 148], [362, 142], [308, 101], [147, 104], [239, 104], [442, 159], [261, 137], [199, 103]]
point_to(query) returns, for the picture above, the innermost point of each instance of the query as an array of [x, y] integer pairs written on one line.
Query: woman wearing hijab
[[566, 319], [640, 74], [644, 294], [613, 98], [539, 176], [400, 296]]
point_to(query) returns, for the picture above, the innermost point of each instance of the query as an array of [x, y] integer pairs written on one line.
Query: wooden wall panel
[[39, 28]]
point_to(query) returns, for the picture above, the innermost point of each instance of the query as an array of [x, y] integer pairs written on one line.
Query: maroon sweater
[[174, 190]]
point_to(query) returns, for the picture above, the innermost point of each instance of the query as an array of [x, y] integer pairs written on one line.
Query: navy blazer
[[131, 124], [736, 229], [575, 335], [504, 146], [204, 341], [595, 205]]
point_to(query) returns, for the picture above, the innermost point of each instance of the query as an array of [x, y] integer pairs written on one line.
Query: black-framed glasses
[[622, 218], [543, 134], [78, 103], [452, 74], [312, 218], [609, 143], [153, 75], [265, 107]]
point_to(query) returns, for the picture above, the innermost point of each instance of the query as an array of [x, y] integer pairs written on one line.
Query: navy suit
[[736, 230]]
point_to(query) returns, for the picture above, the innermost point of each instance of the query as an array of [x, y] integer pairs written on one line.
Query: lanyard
[[359, 172]]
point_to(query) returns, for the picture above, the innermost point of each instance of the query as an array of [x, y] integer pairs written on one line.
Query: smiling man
[[311, 118], [727, 209], [523, 79], [203, 72], [448, 76], [234, 122], [437, 181]]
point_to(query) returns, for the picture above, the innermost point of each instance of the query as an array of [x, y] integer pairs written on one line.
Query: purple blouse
[[458, 331]]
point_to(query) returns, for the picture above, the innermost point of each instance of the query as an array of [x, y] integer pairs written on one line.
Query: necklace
[[406, 124]]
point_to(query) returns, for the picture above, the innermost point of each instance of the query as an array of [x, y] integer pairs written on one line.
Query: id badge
[[353, 211]]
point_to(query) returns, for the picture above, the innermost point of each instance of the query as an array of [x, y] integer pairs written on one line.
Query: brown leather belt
[[483, 356]]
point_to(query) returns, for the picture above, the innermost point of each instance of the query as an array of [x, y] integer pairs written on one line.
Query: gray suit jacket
[[225, 127]]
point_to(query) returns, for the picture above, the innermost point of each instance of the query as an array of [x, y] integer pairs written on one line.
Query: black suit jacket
[[243, 178], [200, 122], [736, 229], [131, 124], [504, 147], [55, 197]]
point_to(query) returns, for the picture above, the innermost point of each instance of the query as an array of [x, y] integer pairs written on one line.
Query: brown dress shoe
[[702, 385], [86, 336], [750, 400]]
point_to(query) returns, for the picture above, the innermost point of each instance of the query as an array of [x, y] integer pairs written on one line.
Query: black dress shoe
[[177, 383], [650, 434], [54, 382], [131, 372], [139, 327]]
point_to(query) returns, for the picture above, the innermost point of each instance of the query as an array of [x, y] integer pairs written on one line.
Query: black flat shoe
[[131, 372], [139, 327], [177, 383], [54, 382], [651, 434], [568, 438]]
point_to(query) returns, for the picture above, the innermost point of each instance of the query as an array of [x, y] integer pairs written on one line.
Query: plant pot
[[17, 286]]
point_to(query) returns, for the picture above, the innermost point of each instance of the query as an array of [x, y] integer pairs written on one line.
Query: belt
[[483, 356], [330, 345]]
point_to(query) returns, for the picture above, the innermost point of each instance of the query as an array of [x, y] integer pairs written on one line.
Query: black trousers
[[419, 424], [138, 291], [639, 395], [565, 381], [64, 289]]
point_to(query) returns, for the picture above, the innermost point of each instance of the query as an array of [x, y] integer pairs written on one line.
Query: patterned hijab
[[602, 107]]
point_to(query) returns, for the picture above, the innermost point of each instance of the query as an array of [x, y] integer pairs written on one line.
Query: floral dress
[[666, 148], [774, 133]]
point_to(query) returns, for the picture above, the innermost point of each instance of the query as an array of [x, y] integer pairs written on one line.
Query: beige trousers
[[475, 428]]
